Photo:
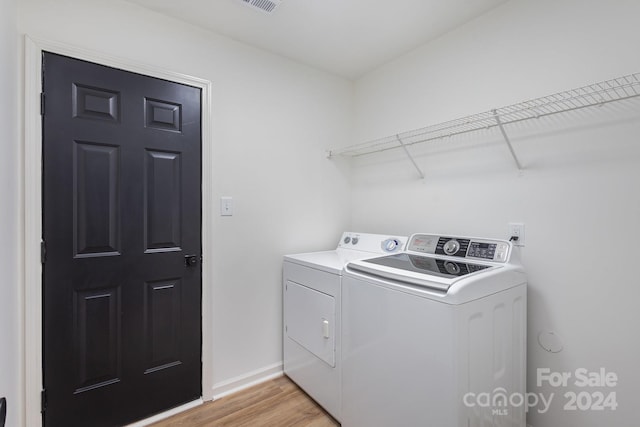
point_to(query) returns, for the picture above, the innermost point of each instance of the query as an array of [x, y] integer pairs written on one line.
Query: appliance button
[[451, 247], [390, 245]]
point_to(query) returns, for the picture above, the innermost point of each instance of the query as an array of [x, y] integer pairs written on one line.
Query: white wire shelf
[[597, 94]]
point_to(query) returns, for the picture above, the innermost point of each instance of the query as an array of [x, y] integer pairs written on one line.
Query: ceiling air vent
[[264, 5]]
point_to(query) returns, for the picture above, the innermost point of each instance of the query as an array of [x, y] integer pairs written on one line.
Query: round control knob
[[452, 267], [347, 240], [354, 241], [451, 247], [390, 245]]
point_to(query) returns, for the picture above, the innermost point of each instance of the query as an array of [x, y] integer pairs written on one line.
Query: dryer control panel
[[462, 247], [374, 243]]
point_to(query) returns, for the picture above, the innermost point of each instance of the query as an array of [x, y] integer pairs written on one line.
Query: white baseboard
[[247, 380], [166, 414]]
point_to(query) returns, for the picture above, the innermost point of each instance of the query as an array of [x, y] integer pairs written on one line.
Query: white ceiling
[[346, 37]]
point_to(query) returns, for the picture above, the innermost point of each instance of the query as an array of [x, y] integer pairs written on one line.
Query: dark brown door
[[121, 216]]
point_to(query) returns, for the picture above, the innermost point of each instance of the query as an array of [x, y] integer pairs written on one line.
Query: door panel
[[163, 115], [94, 103], [121, 209], [163, 190], [162, 324], [98, 335], [96, 185]]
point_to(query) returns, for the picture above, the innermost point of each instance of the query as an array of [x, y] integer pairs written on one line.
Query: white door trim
[[32, 163]]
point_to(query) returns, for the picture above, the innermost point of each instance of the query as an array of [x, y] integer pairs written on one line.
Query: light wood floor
[[276, 403]]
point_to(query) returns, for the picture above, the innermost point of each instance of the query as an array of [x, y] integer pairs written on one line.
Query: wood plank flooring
[[275, 403]]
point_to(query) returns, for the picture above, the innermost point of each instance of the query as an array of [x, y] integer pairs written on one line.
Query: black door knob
[[191, 260]]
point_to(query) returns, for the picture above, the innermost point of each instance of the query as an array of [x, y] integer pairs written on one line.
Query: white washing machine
[[429, 334], [312, 299]]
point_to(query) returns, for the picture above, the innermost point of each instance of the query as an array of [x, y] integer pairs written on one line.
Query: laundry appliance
[[430, 333], [312, 321]]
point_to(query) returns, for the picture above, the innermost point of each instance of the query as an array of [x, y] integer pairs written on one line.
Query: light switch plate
[[226, 206]]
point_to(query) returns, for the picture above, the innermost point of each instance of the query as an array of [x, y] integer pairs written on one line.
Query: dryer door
[[310, 320]]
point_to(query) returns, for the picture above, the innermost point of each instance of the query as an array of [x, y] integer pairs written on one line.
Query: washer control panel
[[463, 247]]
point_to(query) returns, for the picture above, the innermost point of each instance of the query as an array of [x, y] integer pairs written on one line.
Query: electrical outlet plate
[[516, 229]]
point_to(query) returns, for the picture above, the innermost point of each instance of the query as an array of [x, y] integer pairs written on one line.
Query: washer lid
[[427, 265], [424, 271]]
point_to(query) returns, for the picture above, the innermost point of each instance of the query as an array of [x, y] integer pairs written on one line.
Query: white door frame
[[32, 224]]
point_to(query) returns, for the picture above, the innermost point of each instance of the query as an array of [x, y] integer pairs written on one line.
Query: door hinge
[[43, 252], [43, 401], [42, 103]]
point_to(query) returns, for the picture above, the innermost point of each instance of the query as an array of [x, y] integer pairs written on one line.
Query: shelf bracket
[[506, 138], [406, 151]]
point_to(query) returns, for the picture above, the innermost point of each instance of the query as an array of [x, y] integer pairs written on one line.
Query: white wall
[[272, 120], [9, 213], [577, 195]]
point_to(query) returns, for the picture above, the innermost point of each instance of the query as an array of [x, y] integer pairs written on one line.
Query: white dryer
[[312, 320], [431, 333]]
